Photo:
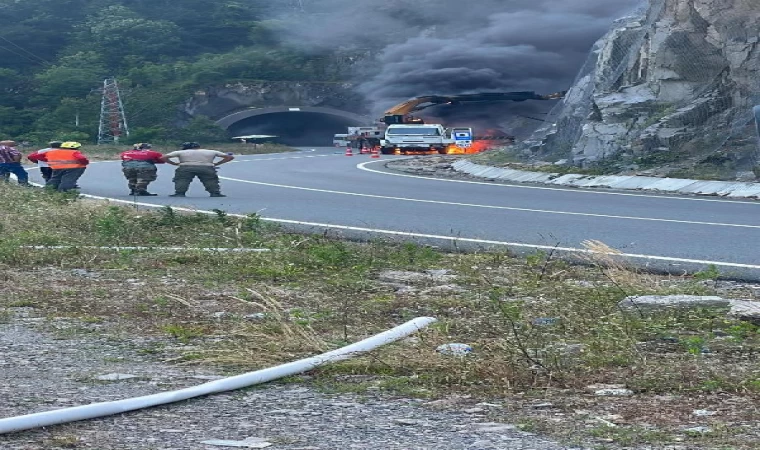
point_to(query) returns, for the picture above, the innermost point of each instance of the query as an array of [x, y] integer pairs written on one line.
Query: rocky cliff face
[[217, 101], [675, 85]]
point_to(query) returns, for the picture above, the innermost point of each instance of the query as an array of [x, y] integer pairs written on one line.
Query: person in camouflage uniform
[[197, 162], [139, 168]]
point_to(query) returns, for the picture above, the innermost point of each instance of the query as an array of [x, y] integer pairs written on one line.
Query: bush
[[147, 134], [202, 129]]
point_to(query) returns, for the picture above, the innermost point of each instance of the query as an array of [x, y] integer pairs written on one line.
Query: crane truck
[[402, 132]]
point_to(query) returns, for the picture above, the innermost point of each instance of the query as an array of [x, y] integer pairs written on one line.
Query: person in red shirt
[[139, 167]]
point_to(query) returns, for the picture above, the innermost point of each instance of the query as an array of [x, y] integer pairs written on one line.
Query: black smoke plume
[[449, 47]]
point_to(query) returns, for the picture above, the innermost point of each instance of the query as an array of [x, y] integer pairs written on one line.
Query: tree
[[147, 134], [13, 88], [75, 76], [16, 122], [71, 117], [119, 32], [203, 129]]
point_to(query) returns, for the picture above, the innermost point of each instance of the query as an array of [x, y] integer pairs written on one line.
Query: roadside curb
[[730, 189]]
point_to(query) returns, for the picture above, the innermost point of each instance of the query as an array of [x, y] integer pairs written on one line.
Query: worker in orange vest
[[68, 165], [36, 158]]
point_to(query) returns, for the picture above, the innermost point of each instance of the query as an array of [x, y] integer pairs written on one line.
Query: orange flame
[[476, 147]]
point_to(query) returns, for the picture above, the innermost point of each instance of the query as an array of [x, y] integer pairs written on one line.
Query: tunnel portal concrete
[[351, 118]]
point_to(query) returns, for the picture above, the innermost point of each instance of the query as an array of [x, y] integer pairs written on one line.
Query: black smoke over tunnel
[[294, 128]]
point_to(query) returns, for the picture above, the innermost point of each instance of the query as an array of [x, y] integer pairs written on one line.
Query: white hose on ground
[[55, 417]]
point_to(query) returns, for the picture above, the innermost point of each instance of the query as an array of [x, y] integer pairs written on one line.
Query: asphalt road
[[358, 196]]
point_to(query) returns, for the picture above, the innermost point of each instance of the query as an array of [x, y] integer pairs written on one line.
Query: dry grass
[[540, 327], [279, 340]]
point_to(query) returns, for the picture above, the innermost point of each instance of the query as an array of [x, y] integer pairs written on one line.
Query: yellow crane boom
[[400, 114]]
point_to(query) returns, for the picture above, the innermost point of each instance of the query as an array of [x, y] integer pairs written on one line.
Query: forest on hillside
[[55, 54]]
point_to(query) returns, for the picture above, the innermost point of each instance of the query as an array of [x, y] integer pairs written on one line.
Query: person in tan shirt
[[196, 162]]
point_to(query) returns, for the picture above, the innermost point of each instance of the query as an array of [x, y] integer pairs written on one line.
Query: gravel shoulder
[[55, 364]]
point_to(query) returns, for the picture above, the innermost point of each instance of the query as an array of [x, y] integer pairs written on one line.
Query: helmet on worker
[[190, 145], [71, 145], [142, 146]]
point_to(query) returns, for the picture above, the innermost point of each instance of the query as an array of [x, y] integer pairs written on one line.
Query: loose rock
[[252, 442], [493, 427], [399, 276], [546, 405], [649, 304], [116, 377], [745, 310], [407, 422], [454, 349], [614, 392], [255, 317], [545, 321], [85, 273]]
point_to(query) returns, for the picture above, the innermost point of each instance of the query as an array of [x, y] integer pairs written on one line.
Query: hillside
[[669, 93]]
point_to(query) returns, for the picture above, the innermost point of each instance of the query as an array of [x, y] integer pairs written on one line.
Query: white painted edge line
[[169, 249], [280, 153], [448, 238], [277, 159], [504, 208], [363, 166]]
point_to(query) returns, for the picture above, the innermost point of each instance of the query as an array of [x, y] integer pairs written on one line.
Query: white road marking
[[363, 166], [448, 238], [277, 159], [506, 208]]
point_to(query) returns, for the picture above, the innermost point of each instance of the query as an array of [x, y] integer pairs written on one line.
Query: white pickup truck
[[415, 138]]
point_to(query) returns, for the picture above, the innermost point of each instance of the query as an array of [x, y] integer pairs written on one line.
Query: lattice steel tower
[[113, 122]]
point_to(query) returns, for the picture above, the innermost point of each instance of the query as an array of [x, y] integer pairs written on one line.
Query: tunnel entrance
[[295, 129], [301, 126]]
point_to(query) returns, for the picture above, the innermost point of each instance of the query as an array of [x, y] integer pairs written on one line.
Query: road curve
[[323, 187]]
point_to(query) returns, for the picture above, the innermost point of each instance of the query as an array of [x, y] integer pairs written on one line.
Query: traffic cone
[[349, 152], [375, 153]]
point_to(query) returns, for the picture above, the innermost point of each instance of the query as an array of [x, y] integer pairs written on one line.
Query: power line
[[20, 55], [25, 50]]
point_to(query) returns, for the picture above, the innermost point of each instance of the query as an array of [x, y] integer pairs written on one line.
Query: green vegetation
[[54, 56], [540, 327]]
